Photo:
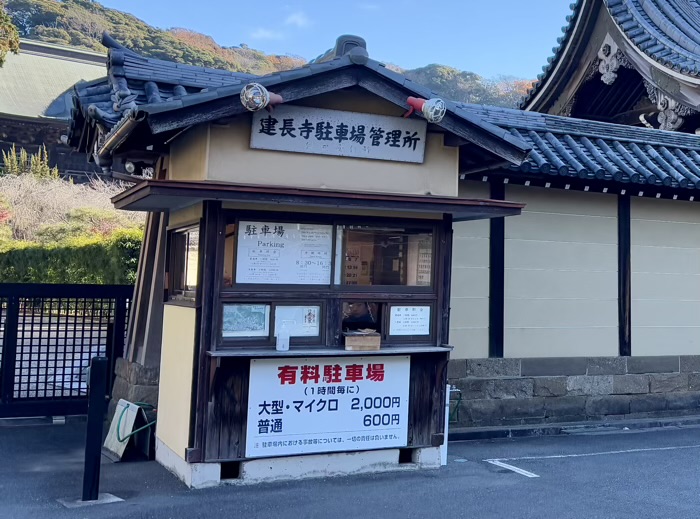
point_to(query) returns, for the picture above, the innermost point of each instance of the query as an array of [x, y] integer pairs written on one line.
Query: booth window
[[322, 278], [183, 262], [386, 255]]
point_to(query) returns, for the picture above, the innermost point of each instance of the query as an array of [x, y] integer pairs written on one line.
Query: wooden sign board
[[319, 131]]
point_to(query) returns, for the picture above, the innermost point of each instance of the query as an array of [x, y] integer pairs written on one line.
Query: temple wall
[[561, 275], [469, 305], [665, 261]]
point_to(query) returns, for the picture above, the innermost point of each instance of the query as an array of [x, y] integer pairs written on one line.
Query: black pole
[[97, 401], [624, 274], [497, 275]]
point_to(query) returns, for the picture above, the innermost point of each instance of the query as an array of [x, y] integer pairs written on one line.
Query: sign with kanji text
[[331, 404], [346, 134], [284, 253]]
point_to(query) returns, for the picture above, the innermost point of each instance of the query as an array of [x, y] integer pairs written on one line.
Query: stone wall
[[497, 392], [134, 383]]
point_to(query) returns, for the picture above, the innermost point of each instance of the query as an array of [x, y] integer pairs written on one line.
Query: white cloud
[[298, 19], [367, 6], [266, 34]]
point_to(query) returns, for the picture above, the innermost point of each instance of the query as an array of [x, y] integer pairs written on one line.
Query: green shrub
[[23, 163], [109, 260]]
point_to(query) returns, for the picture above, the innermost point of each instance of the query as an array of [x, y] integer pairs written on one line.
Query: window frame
[[176, 264], [331, 296]]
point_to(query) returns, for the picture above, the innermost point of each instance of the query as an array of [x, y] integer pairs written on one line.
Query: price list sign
[[312, 405], [284, 253]]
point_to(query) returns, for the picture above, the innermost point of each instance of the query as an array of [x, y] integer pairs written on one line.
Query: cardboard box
[[362, 342]]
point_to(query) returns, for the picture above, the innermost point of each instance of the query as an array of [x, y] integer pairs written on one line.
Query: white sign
[[300, 406], [409, 320], [303, 321], [284, 253], [346, 134]]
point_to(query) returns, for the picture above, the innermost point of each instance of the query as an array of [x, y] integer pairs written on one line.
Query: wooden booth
[[307, 272]]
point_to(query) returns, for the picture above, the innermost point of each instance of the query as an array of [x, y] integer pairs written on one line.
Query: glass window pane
[[362, 315], [246, 320], [191, 259], [229, 253], [376, 255]]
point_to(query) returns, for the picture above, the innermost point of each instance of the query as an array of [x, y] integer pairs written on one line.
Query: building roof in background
[[38, 82], [668, 31], [665, 31], [568, 147], [564, 45]]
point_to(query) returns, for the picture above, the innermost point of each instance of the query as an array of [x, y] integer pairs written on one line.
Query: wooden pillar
[[624, 274], [497, 275], [445, 271], [146, 315], [208, 283], [149, 354]]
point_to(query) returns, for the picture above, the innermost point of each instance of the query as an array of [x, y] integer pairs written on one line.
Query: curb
[[526, 431]]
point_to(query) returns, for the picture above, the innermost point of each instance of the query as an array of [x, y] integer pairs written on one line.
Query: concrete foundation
[[203, 475], [511, 392]]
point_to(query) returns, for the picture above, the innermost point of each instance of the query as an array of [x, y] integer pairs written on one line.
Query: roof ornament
[[608, 64], [432, 109], [255, 97], [610, 59], [671, 114]]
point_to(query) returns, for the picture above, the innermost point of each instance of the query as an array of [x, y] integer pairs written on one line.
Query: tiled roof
[[151, 86], [667, 31], [557, 51], [593, 150], [37, 83], [134, 80]]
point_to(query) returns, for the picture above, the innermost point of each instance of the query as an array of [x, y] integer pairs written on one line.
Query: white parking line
[[514, 469], [605, 453]]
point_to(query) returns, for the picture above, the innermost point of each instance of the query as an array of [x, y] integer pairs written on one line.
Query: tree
[[9, 36], [23, 163]]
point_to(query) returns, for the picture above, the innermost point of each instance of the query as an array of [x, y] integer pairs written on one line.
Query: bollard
[[97, 407]]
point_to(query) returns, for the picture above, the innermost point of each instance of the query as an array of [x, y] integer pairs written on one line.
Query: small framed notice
[[303, 321], [409, 320], [245, 320]]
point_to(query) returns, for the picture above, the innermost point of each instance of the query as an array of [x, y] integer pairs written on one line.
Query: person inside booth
[[361, 316]]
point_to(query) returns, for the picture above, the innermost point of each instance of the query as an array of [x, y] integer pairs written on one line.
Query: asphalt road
[[649, 474]]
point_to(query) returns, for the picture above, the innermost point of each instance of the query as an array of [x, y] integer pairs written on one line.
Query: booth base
[[202, 475]]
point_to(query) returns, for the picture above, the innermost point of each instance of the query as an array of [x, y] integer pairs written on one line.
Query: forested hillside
[[82, 22]]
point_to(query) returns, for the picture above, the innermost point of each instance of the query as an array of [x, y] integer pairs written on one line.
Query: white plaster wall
[[665, 237], [176, 367], [561, 274], [469, 313]]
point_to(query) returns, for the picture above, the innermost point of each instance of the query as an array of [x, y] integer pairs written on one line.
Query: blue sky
[[489, 37]]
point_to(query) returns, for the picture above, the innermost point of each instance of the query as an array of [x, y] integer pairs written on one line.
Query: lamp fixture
[[255, 97], [433, 109]]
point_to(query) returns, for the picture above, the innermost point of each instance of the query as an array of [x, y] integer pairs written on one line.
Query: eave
[[169, 195]]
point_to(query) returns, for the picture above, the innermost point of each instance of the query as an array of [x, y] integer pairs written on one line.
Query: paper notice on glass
[[409, 320], [302, 321], [284, 253]]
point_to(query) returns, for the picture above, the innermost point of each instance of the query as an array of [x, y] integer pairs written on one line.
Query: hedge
[[110, 261]]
